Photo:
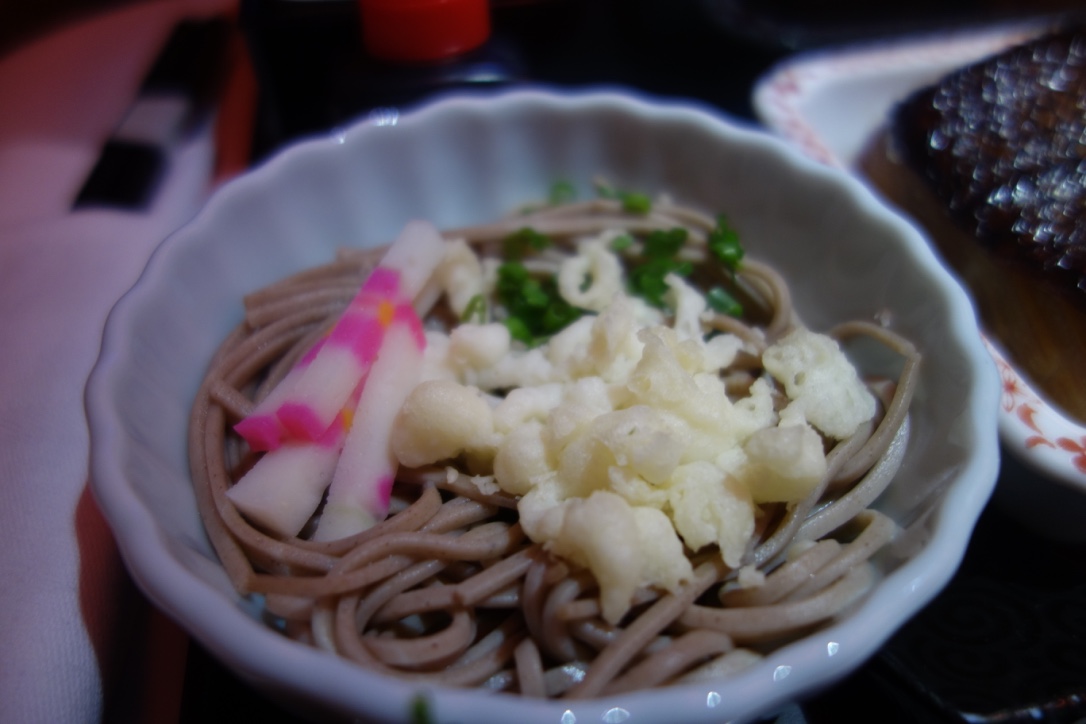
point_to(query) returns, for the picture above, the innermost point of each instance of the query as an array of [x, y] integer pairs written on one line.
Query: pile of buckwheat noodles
[[448, 589]]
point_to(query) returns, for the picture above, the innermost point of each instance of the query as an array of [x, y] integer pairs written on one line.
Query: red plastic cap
[[423, 30]]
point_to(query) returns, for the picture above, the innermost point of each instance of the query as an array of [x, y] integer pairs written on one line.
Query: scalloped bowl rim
[[262, 656]]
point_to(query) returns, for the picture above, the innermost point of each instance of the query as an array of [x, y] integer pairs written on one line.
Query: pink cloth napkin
[[64, 591]]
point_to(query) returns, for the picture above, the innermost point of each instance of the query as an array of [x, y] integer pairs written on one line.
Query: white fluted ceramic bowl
[[464, 160]]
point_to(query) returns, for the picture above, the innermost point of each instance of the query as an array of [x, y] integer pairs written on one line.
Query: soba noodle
[[449, 588]]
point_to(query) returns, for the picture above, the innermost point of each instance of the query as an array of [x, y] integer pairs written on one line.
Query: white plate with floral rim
[[830, 102]]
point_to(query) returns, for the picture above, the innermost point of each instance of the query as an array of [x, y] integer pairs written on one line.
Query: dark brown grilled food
[[992, 161]]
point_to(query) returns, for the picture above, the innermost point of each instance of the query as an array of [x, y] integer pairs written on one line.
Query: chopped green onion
[[535, 309], [559, 315], [724, 244], [635, 203], [721, 301], [661, 247], [475, 310], [664, 243], [511, 275], [523, 240], [533, 294], [622, 242], [648, 280], [519, 330], [586, 283], [561, 192], [420, 710]]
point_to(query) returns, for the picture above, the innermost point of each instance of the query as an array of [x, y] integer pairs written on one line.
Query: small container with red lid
[[423, 31], [414, 49]]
